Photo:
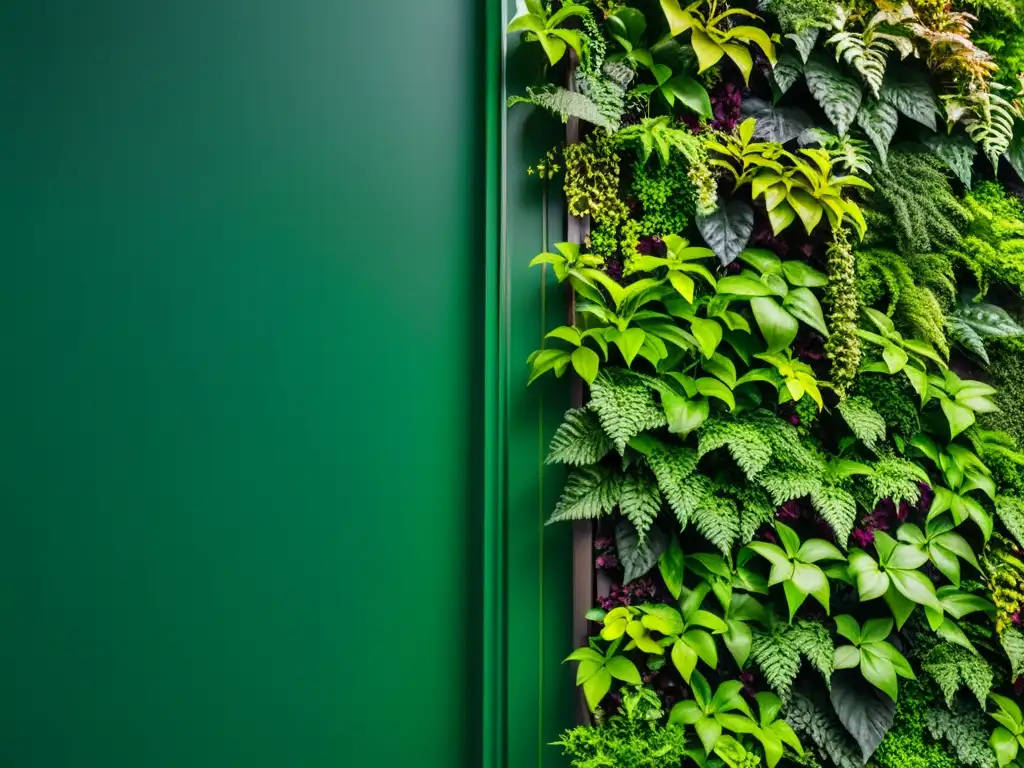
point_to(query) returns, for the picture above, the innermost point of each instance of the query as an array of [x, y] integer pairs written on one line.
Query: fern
[[988, 119], [966, 731], [747, 444], [1012, 641], [838, 508], [625, 405], [715, 515], [589, 493], [863, 420], [952, 666], [640, 502], [777, 653], [1011, 513], [868, 51], [565, 103], [895, 479], [673, 467], [821, 726], [757, 510], [579, 440], [786, 485]]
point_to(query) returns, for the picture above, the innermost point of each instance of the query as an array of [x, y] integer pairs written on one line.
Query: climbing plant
[[798, 327]]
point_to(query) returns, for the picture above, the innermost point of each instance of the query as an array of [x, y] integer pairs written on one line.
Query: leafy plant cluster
[[797, 318]]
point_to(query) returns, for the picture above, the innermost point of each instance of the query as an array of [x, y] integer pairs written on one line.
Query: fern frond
[[579, 440], [838, 508], [565, 103], [952, 666], [1012, 641], [589, 493], [786, 485], [777, 653], [756, 511], [640, 502], [822, 727], [896, 479], [625, 406], [863, 420], [1011, 513], [715, 516], [673, 468], [748, 445], [965, 730]]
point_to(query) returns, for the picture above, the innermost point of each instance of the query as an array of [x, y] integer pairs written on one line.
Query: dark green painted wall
[[240, 248]]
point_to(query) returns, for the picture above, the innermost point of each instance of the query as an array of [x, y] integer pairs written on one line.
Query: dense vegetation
[[802, 444]]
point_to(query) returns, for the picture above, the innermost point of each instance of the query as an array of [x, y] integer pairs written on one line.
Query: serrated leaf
[[1012, 641], [878, 120], [838, 95], [579, 440], [727, 230]]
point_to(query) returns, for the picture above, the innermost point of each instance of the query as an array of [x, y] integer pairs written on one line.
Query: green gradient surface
[[240, 250]]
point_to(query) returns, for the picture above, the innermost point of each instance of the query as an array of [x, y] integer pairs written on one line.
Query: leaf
[[804, 41], [684, 414], [691, 93], [866, 713], [708, 334], [804, 306], [638, 558], [778, 327], [684, 658], [640, 502], [956, 150], [787, 72], [1015, 152], [838, 95], [590, 492], [586, 363], [1004, 745], [579, 440], [911, 93], [727, 230], [1012, 641], [878, 120], [778, 124]]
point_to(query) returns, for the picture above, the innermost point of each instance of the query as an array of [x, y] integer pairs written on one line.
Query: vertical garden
[[799, 336]]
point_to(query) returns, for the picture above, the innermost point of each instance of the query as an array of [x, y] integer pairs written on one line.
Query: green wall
[[241, 246]]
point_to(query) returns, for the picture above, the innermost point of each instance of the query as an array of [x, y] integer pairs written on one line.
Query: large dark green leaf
[[1015, 153], [727, 230], [838, 95], [911, 93], [638, 558], [779, 124], [956, 150], [878, 120], [864, 711], [787, 72], [804, 41]]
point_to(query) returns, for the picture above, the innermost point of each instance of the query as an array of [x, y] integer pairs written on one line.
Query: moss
[[994, 247], [1007, 376], [798, 15], [894, 400], [907, 744]]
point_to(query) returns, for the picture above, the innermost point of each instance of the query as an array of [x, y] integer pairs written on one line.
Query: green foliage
[[877, 659], [863, 420], [893, 399], [867, 51], [566, 104], [640, 502], [819, 724], [838, 95], [1012, 641], [800, 15], [965, 731], [625, 405], [907, 744], [1007, 375], [579, 440], [634, 737], [777, 653], [994, 248], [952, 666], [973, 322], [1010, 510], [914, 289], [590, 493], [914, 192], [843, 345], [592, 179]]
